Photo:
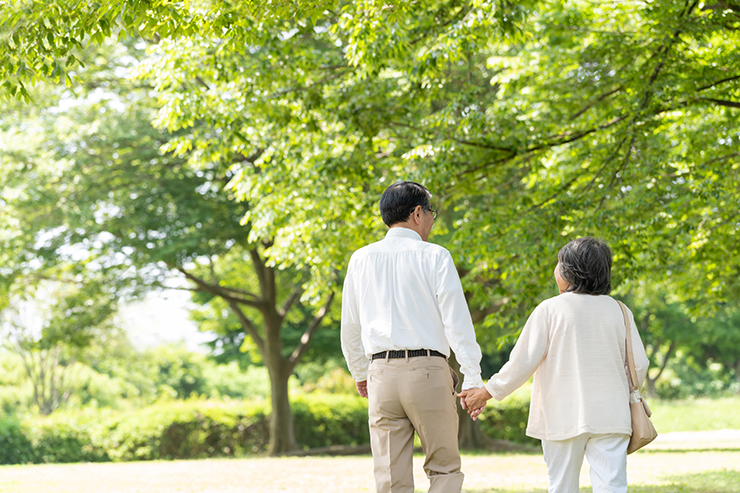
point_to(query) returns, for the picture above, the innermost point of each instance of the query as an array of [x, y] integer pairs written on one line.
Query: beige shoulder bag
[[643, 431]]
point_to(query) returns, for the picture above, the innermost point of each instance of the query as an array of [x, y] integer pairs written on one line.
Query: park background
[[235, 152]]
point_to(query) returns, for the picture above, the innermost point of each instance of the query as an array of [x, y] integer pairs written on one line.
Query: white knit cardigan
[[575, 346]]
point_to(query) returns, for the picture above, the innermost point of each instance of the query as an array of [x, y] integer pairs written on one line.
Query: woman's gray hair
[[586, 265]]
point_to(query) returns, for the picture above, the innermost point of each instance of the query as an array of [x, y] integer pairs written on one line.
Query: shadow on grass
[[707, 482], [525, 450], [689, 450]]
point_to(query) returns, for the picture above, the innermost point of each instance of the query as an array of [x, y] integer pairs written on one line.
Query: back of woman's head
[[586, 265]]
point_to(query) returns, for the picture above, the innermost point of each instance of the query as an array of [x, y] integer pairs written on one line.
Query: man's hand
[[474, 401], [362, 388]]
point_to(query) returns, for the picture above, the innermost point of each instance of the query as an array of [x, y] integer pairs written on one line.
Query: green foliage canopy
[[532, 123]]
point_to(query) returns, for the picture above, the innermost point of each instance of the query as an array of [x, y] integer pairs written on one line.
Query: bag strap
[[631, 373]]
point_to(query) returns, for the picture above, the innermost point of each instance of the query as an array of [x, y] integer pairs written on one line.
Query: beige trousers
[[407, 395]]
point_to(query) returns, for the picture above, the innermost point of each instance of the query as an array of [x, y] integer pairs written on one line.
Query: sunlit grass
[[656, 470], [696, 414]]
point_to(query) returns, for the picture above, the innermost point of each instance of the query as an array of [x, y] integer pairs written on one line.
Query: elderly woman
[[574, 344]]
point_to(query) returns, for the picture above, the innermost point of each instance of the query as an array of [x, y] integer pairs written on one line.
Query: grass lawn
[[696, 414], [677, 462]]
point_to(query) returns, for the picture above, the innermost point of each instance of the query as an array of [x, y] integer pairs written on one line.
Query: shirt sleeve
[[458, 325], [351, 331], [529, 351]]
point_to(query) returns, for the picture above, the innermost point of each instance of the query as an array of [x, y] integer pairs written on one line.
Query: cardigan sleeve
[[529, 351]]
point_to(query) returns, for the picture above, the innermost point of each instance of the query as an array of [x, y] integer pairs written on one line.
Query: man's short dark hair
[[586, 265], [400, 199]]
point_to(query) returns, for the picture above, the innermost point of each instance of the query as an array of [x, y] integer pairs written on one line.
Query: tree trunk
[[282, 436], [469, 434], [650, 390]]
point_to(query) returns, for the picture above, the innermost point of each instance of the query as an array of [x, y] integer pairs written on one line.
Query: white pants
[[607, 455]]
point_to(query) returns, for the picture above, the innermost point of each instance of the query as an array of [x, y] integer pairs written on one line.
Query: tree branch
[[722, 102], [480, 314], [221, 291], [720, 158], [459, 15], [289, 302], [723, 5], [302, 347], [594, 103], [259, 269], [556, 140], [249, 327], [687, 10], [722, 81], [212, 268], [202, 82], [460, 141], [605, 165], [242, 292], [665, 360]]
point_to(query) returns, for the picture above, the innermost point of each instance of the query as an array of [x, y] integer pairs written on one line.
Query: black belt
[[410, 353]]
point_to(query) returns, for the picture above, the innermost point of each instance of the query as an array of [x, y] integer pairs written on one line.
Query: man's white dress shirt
[[404, 293]]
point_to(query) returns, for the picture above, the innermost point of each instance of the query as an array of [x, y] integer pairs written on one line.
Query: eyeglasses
[[433, 211]]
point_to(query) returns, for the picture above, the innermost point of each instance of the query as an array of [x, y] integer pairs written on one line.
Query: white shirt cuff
[[472, 382]]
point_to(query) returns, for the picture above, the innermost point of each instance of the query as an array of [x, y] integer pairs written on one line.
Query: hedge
[[322, 420], [15, 446], [507, 420], [188, 430], [200, 428]]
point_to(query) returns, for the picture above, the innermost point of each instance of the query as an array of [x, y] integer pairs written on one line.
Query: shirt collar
[[401, 232]]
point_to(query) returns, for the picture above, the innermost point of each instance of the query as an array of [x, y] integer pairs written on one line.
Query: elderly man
[[403, 308]]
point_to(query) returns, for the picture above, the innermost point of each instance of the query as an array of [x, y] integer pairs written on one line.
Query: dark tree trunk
[[469, 434], [650, 390], [282, 436]]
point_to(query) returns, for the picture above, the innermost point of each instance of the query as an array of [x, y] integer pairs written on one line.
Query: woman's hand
[[474, 400]]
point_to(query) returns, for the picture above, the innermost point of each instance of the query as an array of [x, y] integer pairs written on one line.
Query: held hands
[[474, 401]]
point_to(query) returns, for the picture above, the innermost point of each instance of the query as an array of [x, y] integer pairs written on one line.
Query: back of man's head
[[400, 199]]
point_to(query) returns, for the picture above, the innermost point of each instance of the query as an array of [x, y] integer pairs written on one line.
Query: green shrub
[[15, 446], [198, 428], [190, 430], [323, 419], [68, 436], [507, 420], [682, 381]]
